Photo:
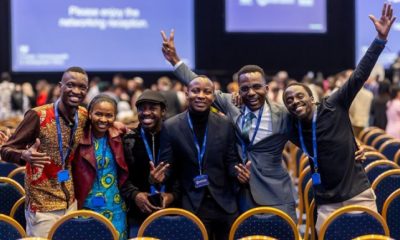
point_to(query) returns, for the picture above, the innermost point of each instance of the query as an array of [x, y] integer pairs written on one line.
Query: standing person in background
[[164, 86], [325, 133], [99, 168], [200, 146], [378, 106], [142, 153], [52, 133], [262, 129], [393, 114]]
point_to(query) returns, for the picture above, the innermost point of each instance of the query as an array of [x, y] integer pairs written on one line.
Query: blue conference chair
[[173, 224], [10, 229], [384, 185], [83, 225], [391, 213], [10, 192], [18, 175], [6, 168], [265, 221], [18, 212], [374, 169], [352, 221]]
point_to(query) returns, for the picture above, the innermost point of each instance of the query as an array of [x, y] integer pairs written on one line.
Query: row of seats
[[260, 223]]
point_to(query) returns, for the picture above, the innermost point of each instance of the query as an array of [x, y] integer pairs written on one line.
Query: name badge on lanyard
[[63, 175], [98, 201], [316, 177], [200, 180]]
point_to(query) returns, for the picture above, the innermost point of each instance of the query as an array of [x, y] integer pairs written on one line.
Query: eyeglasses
[[255, 87]]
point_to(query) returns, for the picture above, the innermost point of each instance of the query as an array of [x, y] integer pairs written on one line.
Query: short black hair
[[76, 69], [251, 68], [307, 88], [103, 98]]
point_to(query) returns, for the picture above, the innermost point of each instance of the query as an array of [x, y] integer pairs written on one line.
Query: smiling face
[[200, 94], [299, 102], [74, 87], [253, 90], [150, 116], [102, 117]]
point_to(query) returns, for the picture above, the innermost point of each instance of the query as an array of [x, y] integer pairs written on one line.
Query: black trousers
[[217, 222]]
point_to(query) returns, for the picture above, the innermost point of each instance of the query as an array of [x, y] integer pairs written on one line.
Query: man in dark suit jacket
[[200, 145]]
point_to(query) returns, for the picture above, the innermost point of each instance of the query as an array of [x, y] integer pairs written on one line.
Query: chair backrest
[[389, 148], [353, 221], [173, 223], [310, 232], [373, 237], [266, 221], [18, 212], [391, 213], [10, 193], [376, 168], [384, 185], [373, 156], [378, 141], [308, 195], [369, 137], [364, 132], [368, 148], [305, 175], [304, 162], [257, 237], [83, 225], [10, 229], [397, 157], [6, 168], [18, 175]]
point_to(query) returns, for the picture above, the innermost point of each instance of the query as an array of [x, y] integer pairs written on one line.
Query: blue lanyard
[[314, 140], [244, 146], [200, 152], [148, 150], [153, 189], [59, 135]]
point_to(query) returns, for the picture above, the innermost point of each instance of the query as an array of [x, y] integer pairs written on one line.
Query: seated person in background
[[324, 133], [142, 153], [200, 146], [99, 167]]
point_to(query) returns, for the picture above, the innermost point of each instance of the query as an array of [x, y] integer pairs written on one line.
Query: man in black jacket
[[200, 145], [141, 147], [325, 134]]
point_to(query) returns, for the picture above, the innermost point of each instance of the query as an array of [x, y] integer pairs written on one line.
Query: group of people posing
[[212, 165]]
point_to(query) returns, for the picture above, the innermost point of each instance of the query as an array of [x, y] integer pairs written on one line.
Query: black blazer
[[220, 158]]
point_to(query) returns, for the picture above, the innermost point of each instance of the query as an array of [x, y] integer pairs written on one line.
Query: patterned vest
[[44, 193]]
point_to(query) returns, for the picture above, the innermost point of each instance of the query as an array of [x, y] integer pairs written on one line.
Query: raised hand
[[157, 174], [385, 22], [35, 158], [168, 48]]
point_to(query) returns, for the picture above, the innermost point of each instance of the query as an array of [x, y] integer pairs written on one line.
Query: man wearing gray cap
[[141, 148]]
